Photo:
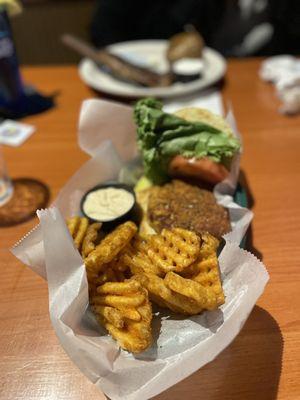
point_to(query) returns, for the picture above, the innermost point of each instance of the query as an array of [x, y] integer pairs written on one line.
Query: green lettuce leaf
[[161, 136]]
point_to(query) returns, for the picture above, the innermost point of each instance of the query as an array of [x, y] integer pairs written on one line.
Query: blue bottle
[[11, 87]]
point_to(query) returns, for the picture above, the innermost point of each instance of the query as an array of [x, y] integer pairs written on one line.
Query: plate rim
[[184, 89]]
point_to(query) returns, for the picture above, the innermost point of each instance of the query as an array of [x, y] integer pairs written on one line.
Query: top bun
[[194, 114]]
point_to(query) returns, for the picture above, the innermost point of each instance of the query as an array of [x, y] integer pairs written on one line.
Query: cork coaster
[[28, 196]]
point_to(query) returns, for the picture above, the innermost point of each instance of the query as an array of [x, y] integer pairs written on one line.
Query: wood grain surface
[[263, 362]]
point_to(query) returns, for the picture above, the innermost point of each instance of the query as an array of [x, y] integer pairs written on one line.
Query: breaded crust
[[180, 205]]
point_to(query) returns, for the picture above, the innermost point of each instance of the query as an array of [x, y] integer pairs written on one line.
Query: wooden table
[[263, 361]]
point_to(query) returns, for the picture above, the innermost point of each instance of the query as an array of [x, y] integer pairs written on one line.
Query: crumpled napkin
[[284, 72]]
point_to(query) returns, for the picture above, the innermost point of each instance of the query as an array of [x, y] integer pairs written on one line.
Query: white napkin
[[14, 133], [284, 72]]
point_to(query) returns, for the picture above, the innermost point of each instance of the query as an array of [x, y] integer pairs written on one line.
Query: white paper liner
[[182, 345], [105, 165]]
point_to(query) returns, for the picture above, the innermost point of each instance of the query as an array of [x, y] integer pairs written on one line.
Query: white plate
[[150, 53]]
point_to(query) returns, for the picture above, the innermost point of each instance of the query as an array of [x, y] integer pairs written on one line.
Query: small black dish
[[187, 69], [129, 215], [187, 77]]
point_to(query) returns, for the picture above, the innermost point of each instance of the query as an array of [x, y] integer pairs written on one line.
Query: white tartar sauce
[[108, 204], [188, 66]]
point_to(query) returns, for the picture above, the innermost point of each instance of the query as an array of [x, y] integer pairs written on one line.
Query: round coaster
[[28, 196]]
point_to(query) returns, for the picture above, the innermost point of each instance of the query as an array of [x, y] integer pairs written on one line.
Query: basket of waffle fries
[[139, 309], [126, 274]]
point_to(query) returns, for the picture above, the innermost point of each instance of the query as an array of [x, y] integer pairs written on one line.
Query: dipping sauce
[[188, 66], [107, 204], [188, 69]]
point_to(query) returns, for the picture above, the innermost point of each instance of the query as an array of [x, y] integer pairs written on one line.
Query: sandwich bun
[[194, 114]]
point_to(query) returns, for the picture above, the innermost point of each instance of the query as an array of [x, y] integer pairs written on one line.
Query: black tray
[[240, 198]]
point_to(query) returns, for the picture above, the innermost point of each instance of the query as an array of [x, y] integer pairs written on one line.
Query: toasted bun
[[194, 114]]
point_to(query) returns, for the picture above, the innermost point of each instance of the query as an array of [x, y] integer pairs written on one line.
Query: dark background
[[38, 29]]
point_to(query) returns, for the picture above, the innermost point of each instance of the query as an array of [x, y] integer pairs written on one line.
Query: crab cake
[[178, 204]]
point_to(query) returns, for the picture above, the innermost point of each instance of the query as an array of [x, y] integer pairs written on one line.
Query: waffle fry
[[204, 297], [77, 228], [208, 273], [108, 275], [176, 269], [128, 287], [72, 224], [117, 264], [130, 322], [136, 259], [139, 263], [95, 280], [164, 297], [173, 250], [190, 271], [88, 243], [136, 338], [209, 277], [112, 315], [209, 245], [119, 301], [110, 246], [130, 313]]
